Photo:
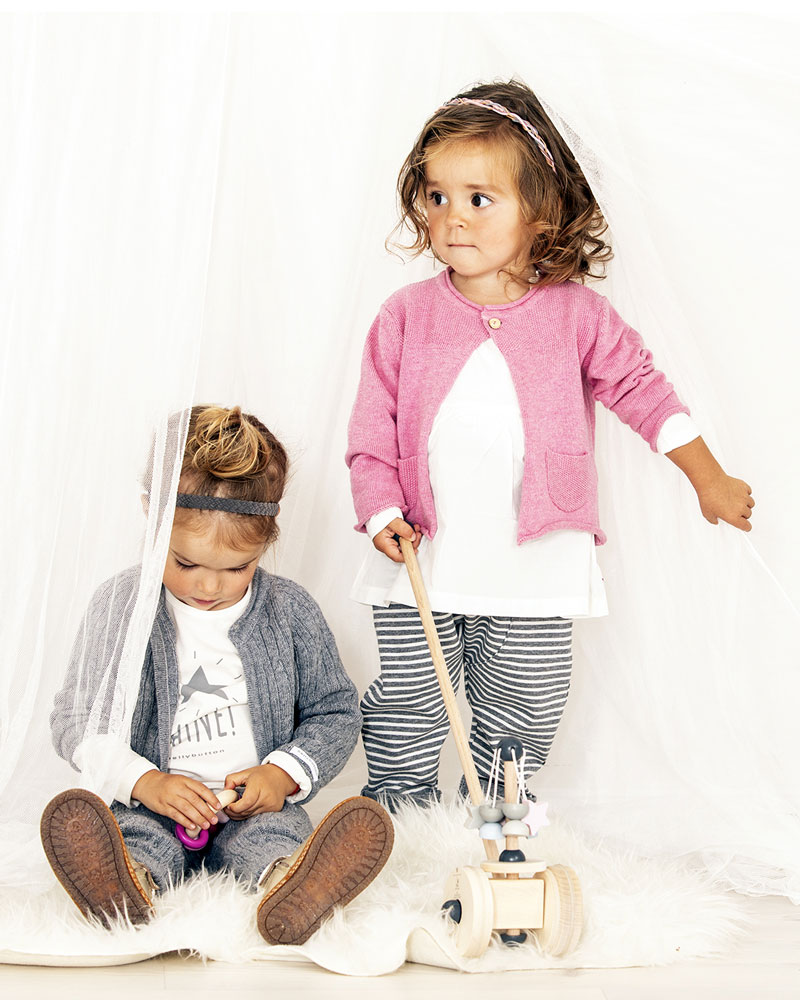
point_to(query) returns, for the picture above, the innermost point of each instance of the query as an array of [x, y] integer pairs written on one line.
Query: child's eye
[[437, 198], [480, 200], [239, 569], [184, 565]]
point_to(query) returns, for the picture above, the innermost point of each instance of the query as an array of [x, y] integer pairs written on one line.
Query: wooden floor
[[765, 965]]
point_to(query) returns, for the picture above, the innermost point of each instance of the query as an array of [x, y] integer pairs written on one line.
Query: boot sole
[[343, 855], [84, 846]]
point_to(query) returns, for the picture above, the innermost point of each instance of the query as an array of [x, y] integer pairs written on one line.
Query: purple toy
[[196, 838]]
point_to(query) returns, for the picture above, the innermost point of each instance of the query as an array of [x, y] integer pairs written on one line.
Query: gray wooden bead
[[510, 748], [491, 814]]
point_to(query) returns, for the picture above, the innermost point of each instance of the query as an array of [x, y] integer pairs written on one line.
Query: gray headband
[[198, 501]]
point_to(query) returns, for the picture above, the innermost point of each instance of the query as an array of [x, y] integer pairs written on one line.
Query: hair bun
[[224, 444]]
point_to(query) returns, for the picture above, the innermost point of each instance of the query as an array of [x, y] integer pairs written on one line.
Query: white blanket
[[638, 911]]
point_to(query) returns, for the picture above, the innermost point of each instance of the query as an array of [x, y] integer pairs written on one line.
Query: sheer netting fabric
[[193, 210]]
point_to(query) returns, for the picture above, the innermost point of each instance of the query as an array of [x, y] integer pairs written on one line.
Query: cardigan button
[[495, 323]]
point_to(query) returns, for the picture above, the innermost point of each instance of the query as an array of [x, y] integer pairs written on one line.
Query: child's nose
[[456, 215], [208, 583]]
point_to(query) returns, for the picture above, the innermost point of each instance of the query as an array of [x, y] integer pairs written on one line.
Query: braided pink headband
[[500, 110]]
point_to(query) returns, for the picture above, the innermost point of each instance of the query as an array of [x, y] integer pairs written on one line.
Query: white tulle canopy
[[193, 209]]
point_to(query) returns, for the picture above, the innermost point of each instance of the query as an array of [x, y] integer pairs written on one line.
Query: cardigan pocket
[[407, 474], [568, 478]]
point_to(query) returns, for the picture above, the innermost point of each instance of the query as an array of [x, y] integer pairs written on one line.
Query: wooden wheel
[[563, 911], [473, 931]]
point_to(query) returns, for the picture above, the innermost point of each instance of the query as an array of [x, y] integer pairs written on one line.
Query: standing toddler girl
[[474, 421], [241, 687]]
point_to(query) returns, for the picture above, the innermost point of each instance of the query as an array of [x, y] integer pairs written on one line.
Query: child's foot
[[340, 859], [84, 846]]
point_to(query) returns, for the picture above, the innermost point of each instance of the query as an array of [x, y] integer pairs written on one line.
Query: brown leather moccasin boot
[[339, 860], [84, 846]]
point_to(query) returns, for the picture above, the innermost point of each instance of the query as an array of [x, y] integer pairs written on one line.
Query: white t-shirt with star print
[[212, 732]]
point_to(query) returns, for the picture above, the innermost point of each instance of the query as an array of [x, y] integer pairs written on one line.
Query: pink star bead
[[537, 817]]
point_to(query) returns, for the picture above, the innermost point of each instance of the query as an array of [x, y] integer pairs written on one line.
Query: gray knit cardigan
[[301, 700]]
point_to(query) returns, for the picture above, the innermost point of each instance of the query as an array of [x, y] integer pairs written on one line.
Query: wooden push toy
[[507, 893]]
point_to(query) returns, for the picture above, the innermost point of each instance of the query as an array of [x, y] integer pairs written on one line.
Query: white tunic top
[[474, 565]]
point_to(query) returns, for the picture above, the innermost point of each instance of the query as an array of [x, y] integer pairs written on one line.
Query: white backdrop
[[193, 209]]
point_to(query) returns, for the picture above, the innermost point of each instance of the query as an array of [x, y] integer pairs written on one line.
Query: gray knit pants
[[244, 847], [516, 678]]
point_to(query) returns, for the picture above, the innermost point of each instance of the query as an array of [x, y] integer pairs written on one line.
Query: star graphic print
[[198, 683]]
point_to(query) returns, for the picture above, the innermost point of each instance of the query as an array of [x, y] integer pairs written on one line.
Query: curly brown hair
[[560, 206], [232, 454]]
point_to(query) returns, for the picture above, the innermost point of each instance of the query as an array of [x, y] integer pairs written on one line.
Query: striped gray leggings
[[516, 679]]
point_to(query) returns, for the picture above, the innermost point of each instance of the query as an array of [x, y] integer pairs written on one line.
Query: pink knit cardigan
[[565, 348]]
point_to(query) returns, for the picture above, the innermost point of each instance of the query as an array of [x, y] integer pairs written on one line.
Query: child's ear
[[145, 504]]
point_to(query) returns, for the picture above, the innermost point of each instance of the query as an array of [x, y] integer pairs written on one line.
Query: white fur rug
[[637, 912]]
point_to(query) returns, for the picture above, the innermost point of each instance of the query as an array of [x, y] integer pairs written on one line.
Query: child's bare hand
[[385, 542], [727, 499], [183, 799], [720, 495], [265, 790]]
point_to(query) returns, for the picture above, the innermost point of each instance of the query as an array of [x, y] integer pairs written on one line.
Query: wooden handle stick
[[448, 694], [512, 843], [511, 788]]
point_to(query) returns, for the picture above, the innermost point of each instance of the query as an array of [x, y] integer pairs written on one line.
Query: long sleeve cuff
[[676, 431], [294, 769], [130, 774], [108, 762], [379, 521]]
